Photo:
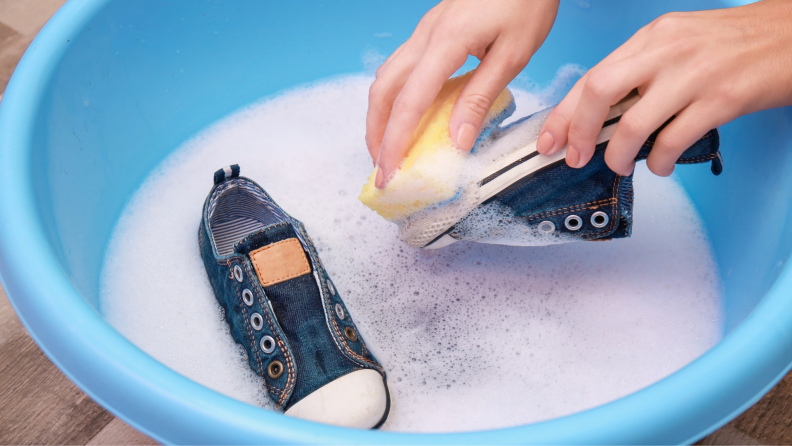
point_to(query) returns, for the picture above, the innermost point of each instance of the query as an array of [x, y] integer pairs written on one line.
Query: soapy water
[[472, 336]]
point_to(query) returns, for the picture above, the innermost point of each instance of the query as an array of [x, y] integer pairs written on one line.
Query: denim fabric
[[228, 292], [558, 191], [300, 313]]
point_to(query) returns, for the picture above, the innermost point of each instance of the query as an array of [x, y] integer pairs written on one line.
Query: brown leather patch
[[280, 262]]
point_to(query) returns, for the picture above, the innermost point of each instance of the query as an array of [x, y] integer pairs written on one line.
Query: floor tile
[[770, 420], [28, 16], [39, 404], [6, 34], [728, 435], [118, 433], [10, 53], [9, 322]]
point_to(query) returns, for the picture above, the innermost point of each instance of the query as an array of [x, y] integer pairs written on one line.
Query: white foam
[[496, 224], [472, 336]]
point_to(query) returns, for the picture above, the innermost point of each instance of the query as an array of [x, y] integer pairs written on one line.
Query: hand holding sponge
[[432, 170]]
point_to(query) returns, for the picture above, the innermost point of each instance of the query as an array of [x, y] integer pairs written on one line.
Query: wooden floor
[[39, 405]]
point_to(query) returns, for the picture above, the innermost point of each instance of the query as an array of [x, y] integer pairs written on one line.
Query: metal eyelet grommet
[[275, 369], [267, 344], [546, 227], [573, 222], [340, 311], [238, 273], [256, 321], [247, 297], [599, 219], [350, 334], [331, 288]]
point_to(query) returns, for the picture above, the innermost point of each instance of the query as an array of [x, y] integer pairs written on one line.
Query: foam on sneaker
[[425, 225], [431, 171], [472, 336], [496, 224]]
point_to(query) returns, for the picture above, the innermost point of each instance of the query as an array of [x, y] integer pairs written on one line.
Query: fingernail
[[545, 143], [466, 136], [380, 178], [581, 162], [572, 157]]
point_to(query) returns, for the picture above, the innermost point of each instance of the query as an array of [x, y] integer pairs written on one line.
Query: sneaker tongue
[[263, 237]]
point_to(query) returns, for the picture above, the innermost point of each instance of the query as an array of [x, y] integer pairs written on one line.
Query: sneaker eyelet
[[275, 369], [256, 321], [340, 311], [267, 344], [599, 219], [238, 273], [331, 288], [546, 227], [573, 222], [350, 334], [247, 297]]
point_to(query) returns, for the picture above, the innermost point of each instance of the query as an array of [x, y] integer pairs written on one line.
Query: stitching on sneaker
[[250, 332], [291, 379], [578, 207], [259, 231], [327, 309], [614, 208], [697, 159]]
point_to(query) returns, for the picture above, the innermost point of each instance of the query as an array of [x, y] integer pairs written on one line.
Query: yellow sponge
[[431, 171]]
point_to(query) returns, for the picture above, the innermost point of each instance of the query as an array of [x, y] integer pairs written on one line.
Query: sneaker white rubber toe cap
[[357, 400]]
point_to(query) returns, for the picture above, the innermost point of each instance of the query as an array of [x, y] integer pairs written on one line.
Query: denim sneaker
[[525, 198], [282, 307]]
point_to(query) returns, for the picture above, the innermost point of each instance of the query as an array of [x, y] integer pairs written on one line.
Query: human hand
[[705, 67], [503, 35]]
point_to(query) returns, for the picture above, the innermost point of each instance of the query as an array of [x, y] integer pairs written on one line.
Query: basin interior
[[144, 76]]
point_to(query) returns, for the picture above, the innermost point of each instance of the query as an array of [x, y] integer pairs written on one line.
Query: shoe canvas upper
[[557, 191], [251, 247]]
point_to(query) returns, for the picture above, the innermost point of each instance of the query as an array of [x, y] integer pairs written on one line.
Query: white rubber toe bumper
[[354, 400]]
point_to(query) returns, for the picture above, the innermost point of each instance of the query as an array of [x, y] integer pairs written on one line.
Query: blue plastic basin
[[109, 88]]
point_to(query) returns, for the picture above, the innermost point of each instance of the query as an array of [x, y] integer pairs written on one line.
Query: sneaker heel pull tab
[[717, 164], [225, 173]]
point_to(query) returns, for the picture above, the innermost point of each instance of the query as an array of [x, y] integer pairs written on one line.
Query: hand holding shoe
[[705, 67]]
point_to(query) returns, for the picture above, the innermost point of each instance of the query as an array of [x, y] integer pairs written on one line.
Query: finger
[[420, 90], [388, 60], [603, 88], [553, 136], [392, 76], [383, 92], [658, 105], [554, 133], [497, 69], [687, 128]]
